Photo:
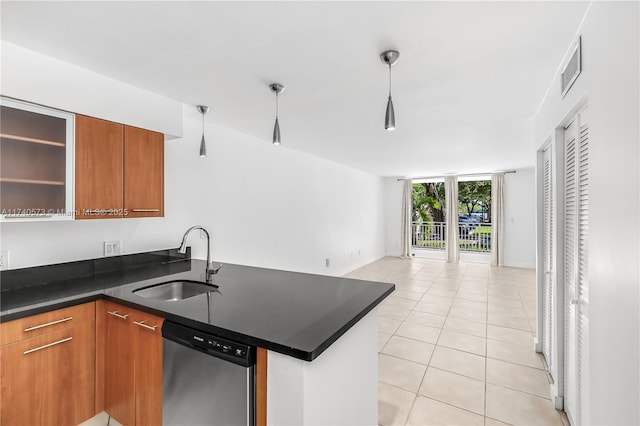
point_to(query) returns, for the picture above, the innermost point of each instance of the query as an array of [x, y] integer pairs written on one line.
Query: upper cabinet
[[143, 172], [119, 170], [36, 156]]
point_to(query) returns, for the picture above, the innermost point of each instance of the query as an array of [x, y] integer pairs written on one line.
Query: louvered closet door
[[576, 227], [548, 290]]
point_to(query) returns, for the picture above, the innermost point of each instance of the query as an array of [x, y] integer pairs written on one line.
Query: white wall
[[41, 79], [340, 387], [264, 205], [520, 216], [609, 83]]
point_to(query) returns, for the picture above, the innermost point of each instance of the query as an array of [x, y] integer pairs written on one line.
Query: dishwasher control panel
[[235, 352]]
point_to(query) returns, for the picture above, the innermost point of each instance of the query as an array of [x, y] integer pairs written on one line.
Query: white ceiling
[[468, 82]]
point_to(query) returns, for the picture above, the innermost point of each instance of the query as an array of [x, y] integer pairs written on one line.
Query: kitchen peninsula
[[319, 333]]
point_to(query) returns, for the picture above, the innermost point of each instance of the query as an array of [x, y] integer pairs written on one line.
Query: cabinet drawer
[[49, 379], [37, 325]]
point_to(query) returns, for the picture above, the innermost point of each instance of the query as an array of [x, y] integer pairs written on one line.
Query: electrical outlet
[[327, 262], [112, 248], [4, 260]]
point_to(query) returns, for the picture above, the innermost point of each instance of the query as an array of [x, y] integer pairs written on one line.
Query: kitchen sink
[[174, 291]]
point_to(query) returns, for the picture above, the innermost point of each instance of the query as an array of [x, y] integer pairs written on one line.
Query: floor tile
[[438, 308], [410, 295], [401, 373], [510, 321], [509, 335], [468, 295], [418, 332], [519, 408], [427, 411], [470, 305], [442, 291], [100, 419], [425, 318], [463, 342], [518, 354], [459, 362], [462, 392], [387, 325], [383, 338], [397, 302], [518, 377], [393, 312], [467, 314], [488, 421], [465, 326], [409, 349], [394, 405], [434, 298]]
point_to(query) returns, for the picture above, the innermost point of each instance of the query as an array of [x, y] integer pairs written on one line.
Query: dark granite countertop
[[296, 314]]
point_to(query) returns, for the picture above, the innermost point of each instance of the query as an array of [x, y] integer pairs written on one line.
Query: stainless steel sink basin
[[174, 291]]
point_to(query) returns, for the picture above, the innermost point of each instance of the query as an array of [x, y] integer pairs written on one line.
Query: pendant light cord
[[276, 105], [389, 80]]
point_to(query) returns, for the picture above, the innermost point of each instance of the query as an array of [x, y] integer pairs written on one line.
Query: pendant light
[[202, 109], [277, 89], [390, 57]]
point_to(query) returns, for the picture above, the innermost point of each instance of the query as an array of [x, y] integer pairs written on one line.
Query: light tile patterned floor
[[456, 345]]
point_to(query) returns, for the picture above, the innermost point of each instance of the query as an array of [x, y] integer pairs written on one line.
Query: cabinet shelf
[[32, 140], [33, 181]]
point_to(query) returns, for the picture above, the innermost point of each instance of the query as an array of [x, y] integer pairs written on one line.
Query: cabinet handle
[[35, 327], [116, 314], [47, 346], [144, 210], [142, 324]]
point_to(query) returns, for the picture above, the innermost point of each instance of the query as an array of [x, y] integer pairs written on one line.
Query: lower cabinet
[[129, 361], [48, 379]]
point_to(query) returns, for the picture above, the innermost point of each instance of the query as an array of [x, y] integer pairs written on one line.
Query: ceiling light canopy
[[277, 89], [202, 109], [390, 57]]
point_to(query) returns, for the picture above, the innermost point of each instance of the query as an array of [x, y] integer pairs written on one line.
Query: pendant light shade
[[390, 57], [390, 116], [277, 89], [276, 133], [202, 109]]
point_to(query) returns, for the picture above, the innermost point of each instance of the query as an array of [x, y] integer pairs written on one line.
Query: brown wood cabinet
[[48, 378], [119, 170], [131, 380], [143, 173]]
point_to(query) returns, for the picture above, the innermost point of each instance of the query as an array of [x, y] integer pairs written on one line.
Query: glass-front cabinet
[[36, 162]]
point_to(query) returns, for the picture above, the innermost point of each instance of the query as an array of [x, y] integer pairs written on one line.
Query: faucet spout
[[209, 270]]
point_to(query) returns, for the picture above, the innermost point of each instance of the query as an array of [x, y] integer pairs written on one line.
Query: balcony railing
[[472, 237]]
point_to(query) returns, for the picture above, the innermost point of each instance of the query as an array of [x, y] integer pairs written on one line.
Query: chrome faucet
[[210, 271]]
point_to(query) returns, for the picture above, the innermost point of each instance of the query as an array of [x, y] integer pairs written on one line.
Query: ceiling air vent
[[572, 70]]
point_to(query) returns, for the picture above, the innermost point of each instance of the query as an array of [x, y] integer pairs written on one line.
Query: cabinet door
[[36, 162], [148, 366], [119, 382], [99, 163], [143, 172], [49, 379]]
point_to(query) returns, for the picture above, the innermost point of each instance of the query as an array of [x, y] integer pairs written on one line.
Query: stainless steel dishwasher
[[206, 379]]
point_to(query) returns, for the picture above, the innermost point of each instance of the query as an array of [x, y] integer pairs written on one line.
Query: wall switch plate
[[112, 248], [327, 262], [4, 260]]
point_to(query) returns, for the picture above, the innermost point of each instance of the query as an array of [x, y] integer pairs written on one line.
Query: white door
[[548, 287], [576, 303]]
